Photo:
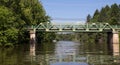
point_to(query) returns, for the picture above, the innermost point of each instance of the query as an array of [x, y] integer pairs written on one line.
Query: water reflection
[[67, 48], [32, 49], [69, 63], [60, 53]]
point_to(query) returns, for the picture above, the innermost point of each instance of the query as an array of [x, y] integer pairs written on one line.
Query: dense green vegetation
[[97, 42], [110, 14], [15, 15], [65, 36]]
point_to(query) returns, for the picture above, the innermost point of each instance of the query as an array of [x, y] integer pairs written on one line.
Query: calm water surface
[[59, 53]]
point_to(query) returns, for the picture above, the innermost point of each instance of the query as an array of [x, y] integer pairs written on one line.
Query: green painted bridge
[[113, 37], [93, 27]]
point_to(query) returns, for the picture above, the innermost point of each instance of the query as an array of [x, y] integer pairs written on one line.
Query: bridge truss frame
[[92, 27]]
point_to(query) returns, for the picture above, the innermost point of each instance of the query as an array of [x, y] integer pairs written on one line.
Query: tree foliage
[[15, 15], [108, 14], [88, 18]]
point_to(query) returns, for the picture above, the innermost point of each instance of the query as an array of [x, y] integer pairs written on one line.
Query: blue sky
[[74, 9]]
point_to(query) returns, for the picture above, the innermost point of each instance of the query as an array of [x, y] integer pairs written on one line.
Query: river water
[[59, 53]]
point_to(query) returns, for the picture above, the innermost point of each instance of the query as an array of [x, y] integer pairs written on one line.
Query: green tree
[[104, 14], [88, 18], [95, 16], [114, 14], [8, 32], [15, 15]]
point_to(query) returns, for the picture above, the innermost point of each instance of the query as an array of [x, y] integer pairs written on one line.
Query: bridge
[[93, 27], [88, 27]]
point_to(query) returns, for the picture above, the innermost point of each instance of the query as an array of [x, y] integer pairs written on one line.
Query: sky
[[73, 10]]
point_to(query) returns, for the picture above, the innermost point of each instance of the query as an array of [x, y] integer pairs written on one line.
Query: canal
[[58, 53]]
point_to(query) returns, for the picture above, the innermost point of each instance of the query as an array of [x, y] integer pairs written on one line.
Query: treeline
[[109, 14], [15, 15], [98, 42]]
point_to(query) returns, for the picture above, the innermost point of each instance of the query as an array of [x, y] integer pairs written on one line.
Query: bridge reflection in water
[[74, 60], [67, 53]]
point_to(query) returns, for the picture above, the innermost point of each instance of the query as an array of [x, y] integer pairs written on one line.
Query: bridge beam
[[32, 41], [115, 40]]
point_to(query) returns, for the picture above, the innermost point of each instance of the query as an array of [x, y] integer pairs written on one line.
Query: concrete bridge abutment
[[115, 43], [32, 41]]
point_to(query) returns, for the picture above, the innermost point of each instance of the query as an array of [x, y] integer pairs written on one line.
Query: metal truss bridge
[[88, 27]]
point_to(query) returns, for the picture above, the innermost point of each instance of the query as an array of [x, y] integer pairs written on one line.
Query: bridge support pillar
[[32, 41], [115, 44]]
